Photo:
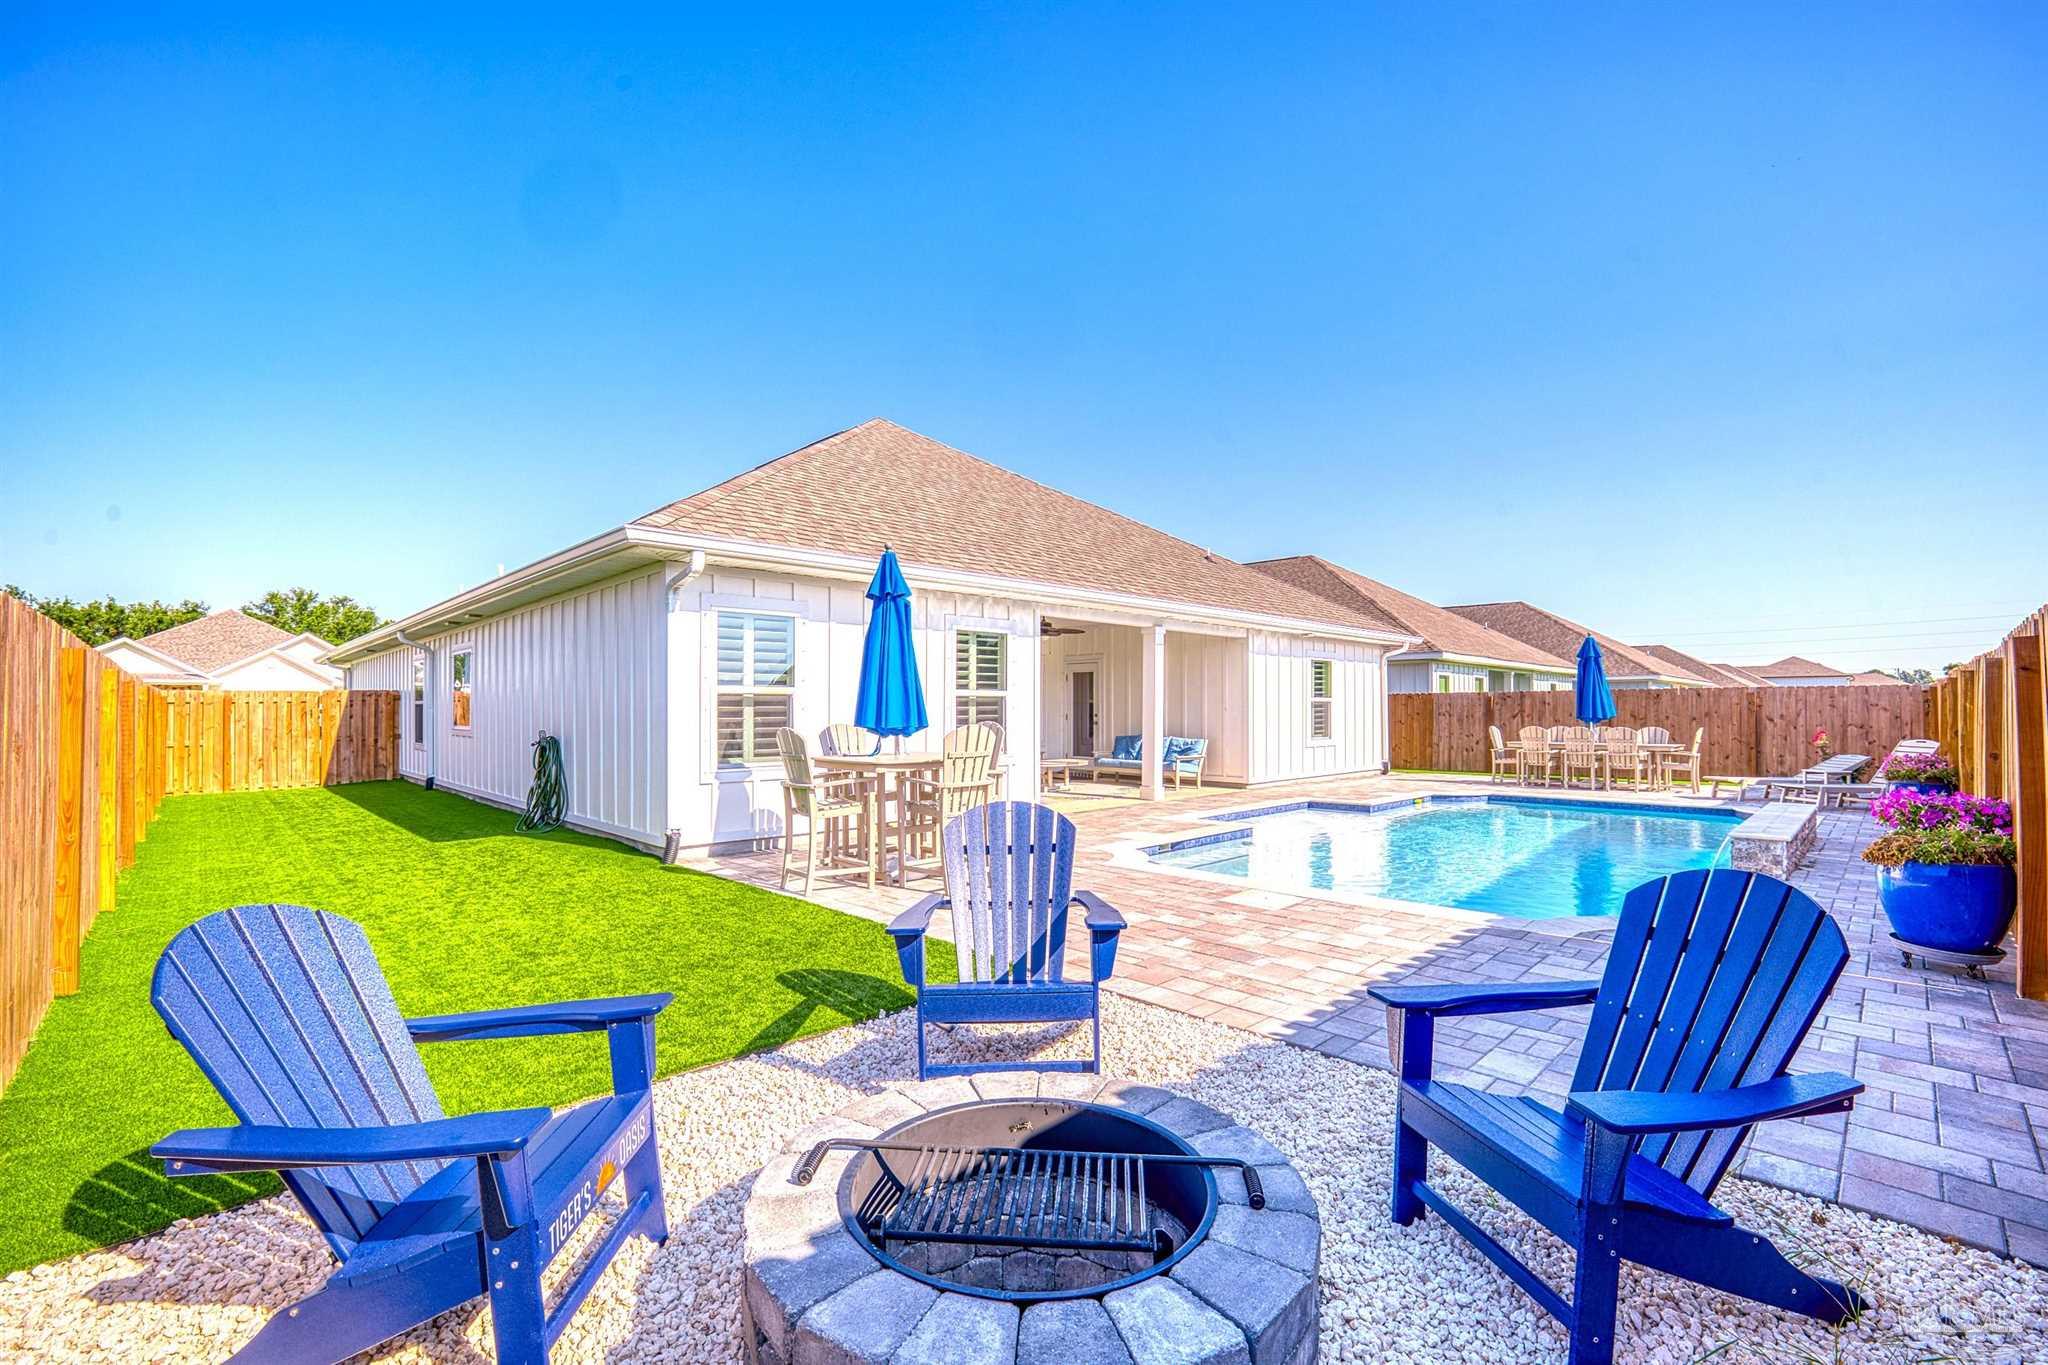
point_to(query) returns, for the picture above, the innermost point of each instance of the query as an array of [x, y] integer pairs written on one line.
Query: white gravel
[[198, 1290]]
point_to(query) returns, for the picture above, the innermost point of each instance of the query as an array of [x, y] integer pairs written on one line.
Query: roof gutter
[[857, 568], [656, 543]]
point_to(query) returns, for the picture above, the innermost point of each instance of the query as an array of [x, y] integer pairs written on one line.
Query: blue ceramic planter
[[1923, 788], [1954, 908]]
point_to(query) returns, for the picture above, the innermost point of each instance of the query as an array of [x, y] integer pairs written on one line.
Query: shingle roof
[[1749, 679], [881, 484], [215, 641], [1792, 666], [1554, 634], [1874, 679], [1718, 674], [1442, 632]]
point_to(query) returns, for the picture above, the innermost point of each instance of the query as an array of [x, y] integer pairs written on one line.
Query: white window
[[1443, 682], [419, 699], [1322, 689], [461, 681], [756, 684], [980, 677]]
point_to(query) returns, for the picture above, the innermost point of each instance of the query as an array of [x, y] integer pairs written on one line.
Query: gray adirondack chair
[[1009, 884]]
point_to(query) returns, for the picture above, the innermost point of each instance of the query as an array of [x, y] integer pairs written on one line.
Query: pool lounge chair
[[1183, 759]]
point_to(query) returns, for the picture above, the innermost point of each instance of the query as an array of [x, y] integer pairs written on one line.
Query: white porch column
[[1152, 715]]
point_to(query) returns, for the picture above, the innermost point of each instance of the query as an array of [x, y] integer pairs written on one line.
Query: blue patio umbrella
[[1592, 702], [891, 700]]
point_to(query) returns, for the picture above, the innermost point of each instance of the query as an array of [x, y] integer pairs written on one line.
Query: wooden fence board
[[1750, 731], [264, 741]]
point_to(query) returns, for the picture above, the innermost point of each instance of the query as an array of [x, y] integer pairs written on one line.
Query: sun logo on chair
[[605, 1173]]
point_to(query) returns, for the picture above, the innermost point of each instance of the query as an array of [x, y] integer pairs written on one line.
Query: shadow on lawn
[[854, 996], [129, 1197], [443, 817]]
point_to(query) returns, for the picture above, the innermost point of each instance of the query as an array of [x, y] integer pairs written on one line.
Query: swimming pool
[[1530, 858]]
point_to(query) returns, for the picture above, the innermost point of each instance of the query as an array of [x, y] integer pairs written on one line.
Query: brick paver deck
[[1949, 1136]]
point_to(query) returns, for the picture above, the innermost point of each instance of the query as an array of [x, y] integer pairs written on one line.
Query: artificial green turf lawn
[[464, 914]]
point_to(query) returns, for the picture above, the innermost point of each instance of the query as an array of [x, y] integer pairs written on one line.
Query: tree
[[299, 610], [1910, 675], [104, 620]]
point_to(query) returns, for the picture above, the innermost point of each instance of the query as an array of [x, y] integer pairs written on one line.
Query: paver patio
[[1951, 1135]]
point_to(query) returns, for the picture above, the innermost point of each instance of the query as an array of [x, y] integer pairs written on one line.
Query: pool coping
[[1137, 854]]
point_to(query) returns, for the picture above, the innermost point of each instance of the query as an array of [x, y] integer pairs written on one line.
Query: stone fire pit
[[1244, 1291]]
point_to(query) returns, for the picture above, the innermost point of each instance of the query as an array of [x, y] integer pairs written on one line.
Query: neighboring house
[[1793, 671], [1626, 666], [228, 651], [1716, 675], [1875, 679], [667, 652], [1454, 654], [1749, 679]]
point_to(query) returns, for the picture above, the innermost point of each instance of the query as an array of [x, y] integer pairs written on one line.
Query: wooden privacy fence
[[1991, 716], [259, 741], [1751, 731], [81, 774]]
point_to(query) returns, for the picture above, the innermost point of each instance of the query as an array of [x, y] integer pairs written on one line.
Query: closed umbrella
[[1592, 701], [891, 700]]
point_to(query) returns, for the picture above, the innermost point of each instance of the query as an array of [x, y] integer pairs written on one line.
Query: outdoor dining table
[[891, 773]]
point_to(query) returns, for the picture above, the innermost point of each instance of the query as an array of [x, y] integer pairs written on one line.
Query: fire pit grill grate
[[1016, 1196]]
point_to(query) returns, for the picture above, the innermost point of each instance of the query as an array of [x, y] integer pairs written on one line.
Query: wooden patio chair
[[1583, 755], [287, 1012], [840, 807], [1653, 734], [1625, 758], [1712, 982], [1536, 754], [848, 741], [1009, 885], [966, 779], [1506, 762], [1671, 766]]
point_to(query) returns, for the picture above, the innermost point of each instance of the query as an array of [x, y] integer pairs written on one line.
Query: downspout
[[673, 726], [433, 736]]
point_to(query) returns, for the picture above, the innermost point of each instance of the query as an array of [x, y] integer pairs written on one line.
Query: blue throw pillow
[[1178, 749], [1126, 746]]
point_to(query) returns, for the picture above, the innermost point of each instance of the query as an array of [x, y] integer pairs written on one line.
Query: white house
[[1453, 654], [229, 651], [665, 653]]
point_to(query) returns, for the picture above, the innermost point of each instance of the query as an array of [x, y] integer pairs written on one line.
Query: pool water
[[1529, 858]]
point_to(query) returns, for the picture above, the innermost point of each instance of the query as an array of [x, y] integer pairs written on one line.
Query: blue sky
[[1755, 295]]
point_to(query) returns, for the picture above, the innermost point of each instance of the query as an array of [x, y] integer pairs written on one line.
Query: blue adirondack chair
[[288, 1014], [1009, 876], [1712, 982]]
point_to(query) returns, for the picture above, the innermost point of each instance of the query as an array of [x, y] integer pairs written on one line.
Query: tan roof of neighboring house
[[879, 483], [1792, 666], [1873, 678], [1442, 632], [217, 640], [1749, 679], [1554, 634], [1718, 674]]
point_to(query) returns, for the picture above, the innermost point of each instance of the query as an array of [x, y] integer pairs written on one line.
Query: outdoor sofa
[[1182, 759]]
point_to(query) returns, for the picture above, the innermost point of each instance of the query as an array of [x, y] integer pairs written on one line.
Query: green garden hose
[[549, 795]]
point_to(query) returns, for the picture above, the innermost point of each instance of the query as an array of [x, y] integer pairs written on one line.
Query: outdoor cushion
[[1177, 748], [1126, 746], [1119, 763]]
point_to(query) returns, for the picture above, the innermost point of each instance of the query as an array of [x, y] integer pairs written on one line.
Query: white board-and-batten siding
[[714, 804], [1281, 746], [589, 667]]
